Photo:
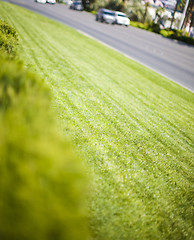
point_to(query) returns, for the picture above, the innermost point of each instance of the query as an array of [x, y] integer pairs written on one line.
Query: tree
[[87, 4], [147, 4], [137, 11], [175, 9], [192, 22], [188, 15]]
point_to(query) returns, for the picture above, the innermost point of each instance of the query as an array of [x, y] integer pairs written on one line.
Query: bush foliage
[[8, 39], [169, 33], [42, 185]]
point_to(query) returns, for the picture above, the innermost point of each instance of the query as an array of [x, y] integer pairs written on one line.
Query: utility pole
[[188, 15], [184, 13]]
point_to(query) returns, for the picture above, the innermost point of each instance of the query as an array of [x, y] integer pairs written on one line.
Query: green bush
[[139, 25], [176, 34], [8, 39], [42, 183], [173, 34], [155, 28], [133, 24], [94, 12], [164, 33], [186, 39]]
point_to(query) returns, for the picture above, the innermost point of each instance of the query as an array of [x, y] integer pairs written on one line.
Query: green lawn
[[133, 127]]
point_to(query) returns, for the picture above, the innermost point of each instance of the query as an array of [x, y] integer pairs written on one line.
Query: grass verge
[[133, 126]]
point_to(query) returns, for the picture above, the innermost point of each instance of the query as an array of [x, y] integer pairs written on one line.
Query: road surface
[[170, 58]]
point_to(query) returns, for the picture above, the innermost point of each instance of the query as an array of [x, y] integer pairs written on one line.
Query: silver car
[[105, 15], [76, 5]]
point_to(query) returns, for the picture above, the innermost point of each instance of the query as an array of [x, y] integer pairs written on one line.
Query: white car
[[68, 2], [51, 1], [40, 1], [121, 19]]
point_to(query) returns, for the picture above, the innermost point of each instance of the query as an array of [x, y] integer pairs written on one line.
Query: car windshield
[[77, 3], [108, 13], [121, 15]]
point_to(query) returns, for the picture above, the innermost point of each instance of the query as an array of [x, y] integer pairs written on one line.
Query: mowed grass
[[133, 127]]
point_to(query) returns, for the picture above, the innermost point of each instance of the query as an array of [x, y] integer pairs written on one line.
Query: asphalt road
[[170, 58]]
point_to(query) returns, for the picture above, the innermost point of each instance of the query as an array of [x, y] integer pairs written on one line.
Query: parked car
[[68, 2], [40, 1], [121, 18], [51, 1], [105, 15], [76, 5]]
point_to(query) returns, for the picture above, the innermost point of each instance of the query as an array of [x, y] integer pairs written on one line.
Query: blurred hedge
[[42, 183]]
